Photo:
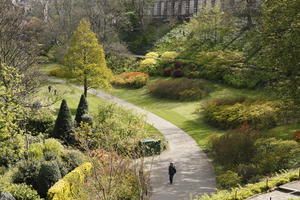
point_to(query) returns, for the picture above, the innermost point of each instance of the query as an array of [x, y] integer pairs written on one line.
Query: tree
[[86, 60], [278, 43], [64, 123], [82, 109]]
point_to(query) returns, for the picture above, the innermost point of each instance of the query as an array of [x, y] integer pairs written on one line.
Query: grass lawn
[[185, 115]]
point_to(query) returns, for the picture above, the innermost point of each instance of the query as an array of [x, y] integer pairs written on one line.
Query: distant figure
[[55, 92], [49, 88], [172, 172]]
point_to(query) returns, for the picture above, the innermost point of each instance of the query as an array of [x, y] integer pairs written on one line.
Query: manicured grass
[[185, 115], [72, 96]]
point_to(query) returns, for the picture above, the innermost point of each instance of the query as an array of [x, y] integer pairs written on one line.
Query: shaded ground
[[194, 171]]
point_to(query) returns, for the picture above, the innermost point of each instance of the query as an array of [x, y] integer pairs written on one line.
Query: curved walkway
[[194, 175]]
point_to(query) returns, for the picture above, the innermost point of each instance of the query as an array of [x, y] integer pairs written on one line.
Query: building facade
[[164, 9]]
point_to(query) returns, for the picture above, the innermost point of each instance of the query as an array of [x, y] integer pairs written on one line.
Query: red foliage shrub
[[178, 73], [178, 65], [296, 136], [168, 71]]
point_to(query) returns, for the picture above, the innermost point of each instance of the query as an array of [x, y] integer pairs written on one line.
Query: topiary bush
[[68, 187], [49, 174], [82, 109], [64, 124], [179, 89]]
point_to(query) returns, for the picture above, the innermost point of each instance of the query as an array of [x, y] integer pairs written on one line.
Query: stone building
[[163, 9]]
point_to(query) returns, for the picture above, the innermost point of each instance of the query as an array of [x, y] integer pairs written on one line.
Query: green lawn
[[185, 115]]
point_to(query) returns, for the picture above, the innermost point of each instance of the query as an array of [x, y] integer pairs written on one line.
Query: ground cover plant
[[179, 89], [131, 80]]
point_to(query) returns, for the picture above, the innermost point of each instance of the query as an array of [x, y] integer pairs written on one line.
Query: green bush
[[23, 192], [35, 151], [73, 159], [40, 122], [54, 146], [179, 89], [233, 148], [49, 174], [244, 78], [28, 172], [229, 179], [258, 115], [273, 155]]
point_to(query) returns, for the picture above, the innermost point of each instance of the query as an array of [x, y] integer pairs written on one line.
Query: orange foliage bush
[[131, 80]]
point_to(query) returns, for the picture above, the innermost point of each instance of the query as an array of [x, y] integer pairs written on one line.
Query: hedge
[[67, 186], [253, 189]]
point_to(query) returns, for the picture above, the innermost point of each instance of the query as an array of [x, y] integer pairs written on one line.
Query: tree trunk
[[85, 86]]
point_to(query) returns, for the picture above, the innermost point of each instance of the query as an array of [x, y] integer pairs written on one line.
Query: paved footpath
[[194, 175]]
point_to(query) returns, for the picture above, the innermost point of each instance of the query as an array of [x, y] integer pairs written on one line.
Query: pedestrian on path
[[172, 172]]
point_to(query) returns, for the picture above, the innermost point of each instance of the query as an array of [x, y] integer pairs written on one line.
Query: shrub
[[149, 65], [28, 172], [177, 73], [152, 55], [54, 146], [229, 180], [23, 192], [82, 109], [180, 89], [41, 121], [131, 80], [233, 148], [64, 123], [73, 159], [296, 136], [169, 56], [48, 175], [168, 71], [69, 185], [36, 151], [259, 115], [273, 155]]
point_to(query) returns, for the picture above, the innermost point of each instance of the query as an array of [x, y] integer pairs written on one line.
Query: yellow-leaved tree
[[85, 58]]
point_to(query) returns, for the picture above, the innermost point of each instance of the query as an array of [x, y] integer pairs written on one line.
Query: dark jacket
[[172, 170]]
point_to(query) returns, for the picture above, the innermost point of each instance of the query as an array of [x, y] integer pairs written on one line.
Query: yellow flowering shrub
[[169, 56], [67, 187], [152, 55], [149, 65]]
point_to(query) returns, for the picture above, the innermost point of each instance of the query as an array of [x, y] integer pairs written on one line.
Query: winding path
[[195, 174]]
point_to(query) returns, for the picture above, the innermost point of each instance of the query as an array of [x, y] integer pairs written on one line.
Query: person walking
[[172, 172]]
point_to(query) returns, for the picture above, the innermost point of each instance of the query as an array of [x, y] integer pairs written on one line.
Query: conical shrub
[[82, 110], [64, 123]]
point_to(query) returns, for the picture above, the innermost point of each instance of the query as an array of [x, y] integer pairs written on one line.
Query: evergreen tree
[[85, 58], [64, 124], [82, 109]]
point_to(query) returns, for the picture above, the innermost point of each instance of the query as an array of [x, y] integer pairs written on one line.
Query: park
[[149, 100]]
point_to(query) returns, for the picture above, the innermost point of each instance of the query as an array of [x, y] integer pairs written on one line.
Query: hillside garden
[[228, 80]]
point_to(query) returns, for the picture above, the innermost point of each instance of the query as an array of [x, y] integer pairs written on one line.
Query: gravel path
[[194, 175]]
